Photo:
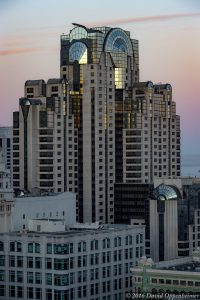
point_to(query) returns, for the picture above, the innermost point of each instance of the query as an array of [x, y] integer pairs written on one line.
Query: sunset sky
[[169, 41]]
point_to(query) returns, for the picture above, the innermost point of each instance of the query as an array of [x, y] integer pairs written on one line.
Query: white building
[[57, 206], [92, 264]]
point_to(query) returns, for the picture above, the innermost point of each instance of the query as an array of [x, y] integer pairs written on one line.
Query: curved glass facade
[[118, 41], [119, 45], [78, 33], [165, 192], [78, 52]]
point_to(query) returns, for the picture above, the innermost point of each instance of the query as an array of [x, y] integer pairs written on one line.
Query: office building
[[96, 125], [177, 278], [132, 203], [53, 259]]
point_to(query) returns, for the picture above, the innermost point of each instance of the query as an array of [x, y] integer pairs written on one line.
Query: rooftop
[[71, 231], [189, 267]]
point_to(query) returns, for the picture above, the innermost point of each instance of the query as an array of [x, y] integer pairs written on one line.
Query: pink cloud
[[17, 51], [144, 19]]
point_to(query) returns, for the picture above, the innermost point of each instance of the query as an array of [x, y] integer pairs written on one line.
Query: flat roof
[[189, 267], [79, 231]]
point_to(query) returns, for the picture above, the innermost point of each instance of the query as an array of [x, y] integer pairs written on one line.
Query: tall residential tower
[[88, 129]]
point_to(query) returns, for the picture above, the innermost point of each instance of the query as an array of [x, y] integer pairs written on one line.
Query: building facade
[[170, 211], [6, 192], [174, 215], [15, 214], [131, 203], [177, 278], [38, 138], [6, 145], [151, 146], [71, 265]]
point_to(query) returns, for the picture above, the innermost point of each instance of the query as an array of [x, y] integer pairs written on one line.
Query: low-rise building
[[179, 277], [52, 206], [16, 214]]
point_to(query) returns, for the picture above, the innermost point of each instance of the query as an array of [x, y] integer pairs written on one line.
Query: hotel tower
[[96, 125]]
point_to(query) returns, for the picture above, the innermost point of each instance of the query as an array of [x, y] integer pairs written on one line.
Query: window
[[11, 261], [94, 245], [37, 248], [38, 293], [48, 294], [12, 291], [30, 247], [19, 247], [106, 243], [117, 241], [12, 246], [61, 264], [81, 246], [2, 290], [30, 277], [19, 292], [1, 246], [49, 248], [63, 248], [2, 275], [19, 276], [48, 263], [48, 279], [30, 292], [38, 278], [38, 262], [29, 262]]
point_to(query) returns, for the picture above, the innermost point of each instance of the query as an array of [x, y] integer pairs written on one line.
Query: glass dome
[[165, 192]]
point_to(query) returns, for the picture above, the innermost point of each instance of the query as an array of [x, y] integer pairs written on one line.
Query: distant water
[[190, 165]]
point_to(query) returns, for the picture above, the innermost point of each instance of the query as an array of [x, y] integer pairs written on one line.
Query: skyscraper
[[75, 130], [101, 65]]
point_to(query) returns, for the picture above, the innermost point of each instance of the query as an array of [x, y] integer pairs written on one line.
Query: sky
[[169, 43]]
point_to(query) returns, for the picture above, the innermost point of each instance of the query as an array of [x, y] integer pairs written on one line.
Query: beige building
[[167, 279], [151, 146], [96, 126]]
